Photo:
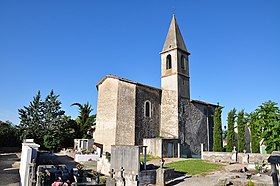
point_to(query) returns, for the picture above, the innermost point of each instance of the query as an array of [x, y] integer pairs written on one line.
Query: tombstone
[[234, 154], [29, 152], [160, 179], [120, 181]]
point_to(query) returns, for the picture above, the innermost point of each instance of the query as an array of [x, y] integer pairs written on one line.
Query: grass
[[193, 167], [148, 157], [89, 164]]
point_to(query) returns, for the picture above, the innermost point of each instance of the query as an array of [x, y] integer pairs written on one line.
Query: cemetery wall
[[227, 157], [253, 157], [223, 157]]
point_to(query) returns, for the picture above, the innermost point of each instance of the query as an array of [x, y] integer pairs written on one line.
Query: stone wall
[[227, 157], [106, 117], [125, 129], [223, 157], [147, 127], [253, 157], [158, 147], [196, 125], [169, 114], [154, 146]]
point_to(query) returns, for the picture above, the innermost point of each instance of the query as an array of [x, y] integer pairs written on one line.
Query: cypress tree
[[217, 132], [241, 131], [253, 123], [230, 134]]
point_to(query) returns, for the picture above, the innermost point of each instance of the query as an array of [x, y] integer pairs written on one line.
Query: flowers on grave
[[95, 173], [80, 166]]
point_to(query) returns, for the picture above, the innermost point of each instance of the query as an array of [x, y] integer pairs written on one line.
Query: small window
[[168, 62], [183, 62], [147, 109]]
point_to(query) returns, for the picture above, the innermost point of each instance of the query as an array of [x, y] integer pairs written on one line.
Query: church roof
[[174, 38], [205, 103], [125, 80]]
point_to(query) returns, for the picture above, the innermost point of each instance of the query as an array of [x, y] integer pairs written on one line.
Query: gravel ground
[[9, 169], [9, 173], [229, 173]]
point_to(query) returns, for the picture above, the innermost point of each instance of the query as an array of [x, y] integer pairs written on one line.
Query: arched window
[[168, 62], [183, 62], [147, 109]]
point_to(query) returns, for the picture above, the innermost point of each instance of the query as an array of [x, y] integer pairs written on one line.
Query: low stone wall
[[253, 157], [228, 157], [223, 157], [86, 157]]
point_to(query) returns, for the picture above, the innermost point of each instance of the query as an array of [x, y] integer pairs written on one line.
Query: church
[[165, 119]]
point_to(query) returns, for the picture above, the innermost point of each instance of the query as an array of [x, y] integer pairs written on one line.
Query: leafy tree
[[268, 125], [241, 131], [84, 120], [9, 135], [230, 133], [217, 133]]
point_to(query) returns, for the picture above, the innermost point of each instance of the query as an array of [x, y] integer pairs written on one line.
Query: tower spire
[[174, 38]]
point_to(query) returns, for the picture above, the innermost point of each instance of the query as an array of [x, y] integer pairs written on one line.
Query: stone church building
[[129, 112]]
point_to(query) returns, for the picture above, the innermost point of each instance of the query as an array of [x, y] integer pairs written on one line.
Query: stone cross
[[234, 149], [112, 172], [122, 169]]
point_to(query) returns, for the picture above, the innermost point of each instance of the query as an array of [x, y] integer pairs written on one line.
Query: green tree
[[85, 121], [268, 125], [53, 115], [217, 133], [230, 133], [44, 121], [241, 122], [55, 122], [31, 120], [254, 126], [9, 131]]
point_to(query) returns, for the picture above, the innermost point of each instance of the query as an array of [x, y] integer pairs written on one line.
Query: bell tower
[[175, 82]]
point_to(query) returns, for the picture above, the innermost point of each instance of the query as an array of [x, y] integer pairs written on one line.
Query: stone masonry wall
[[169, 114], [125, 129], [194, 118], [226, 157], [223, 157], [147, 127], [106, 113]]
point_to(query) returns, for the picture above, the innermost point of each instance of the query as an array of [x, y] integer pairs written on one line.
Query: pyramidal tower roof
[[174, 37]]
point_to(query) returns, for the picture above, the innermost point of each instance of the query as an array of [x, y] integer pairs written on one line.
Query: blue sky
[[68, 46]]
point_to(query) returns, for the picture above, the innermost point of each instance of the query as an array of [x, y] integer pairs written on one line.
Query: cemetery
[[124, 166], [143, 135]]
